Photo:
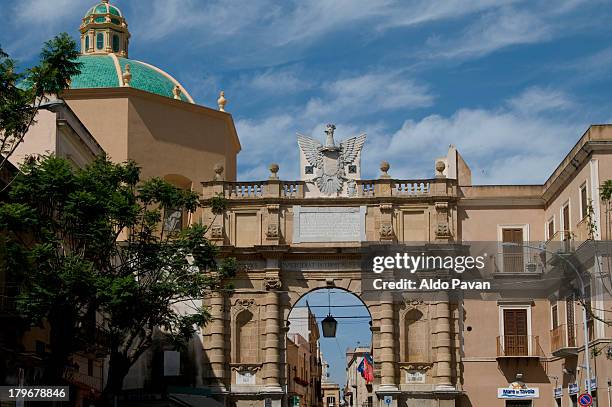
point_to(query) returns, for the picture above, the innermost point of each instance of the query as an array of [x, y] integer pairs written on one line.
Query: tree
[[92, 256], [22, 93]]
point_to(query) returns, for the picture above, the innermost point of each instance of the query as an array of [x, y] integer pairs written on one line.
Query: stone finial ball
[[218, 169], [440, 166], [273, 168], [384, 166]]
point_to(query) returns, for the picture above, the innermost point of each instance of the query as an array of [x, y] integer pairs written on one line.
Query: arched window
[[86, 42], [416, 333], [99, 40], [115, 43]]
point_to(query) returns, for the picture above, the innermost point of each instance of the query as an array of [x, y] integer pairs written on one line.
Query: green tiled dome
[[104, 8], [101, 71]]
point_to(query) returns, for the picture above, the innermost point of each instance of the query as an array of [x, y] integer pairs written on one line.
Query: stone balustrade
[[375, 188]]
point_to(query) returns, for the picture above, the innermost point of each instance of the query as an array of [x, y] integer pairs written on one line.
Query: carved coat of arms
[[330, 160]]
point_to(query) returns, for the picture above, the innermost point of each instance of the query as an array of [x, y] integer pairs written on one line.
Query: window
[[554, 316], [513, 256], [550, 228], [331, 401], [584, 201], [86, 42], [99, 40], [115, 43], [565, 215], [90, 367]]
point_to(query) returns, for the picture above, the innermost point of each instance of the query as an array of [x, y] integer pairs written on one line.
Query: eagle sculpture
[[330, 160]]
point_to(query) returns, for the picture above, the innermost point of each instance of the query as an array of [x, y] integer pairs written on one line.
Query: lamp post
[[584, 312]]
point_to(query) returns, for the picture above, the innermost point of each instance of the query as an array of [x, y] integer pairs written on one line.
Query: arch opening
[[334, 360]]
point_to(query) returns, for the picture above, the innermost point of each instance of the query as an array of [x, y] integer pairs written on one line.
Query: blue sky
[[350, 331], [513, 84]]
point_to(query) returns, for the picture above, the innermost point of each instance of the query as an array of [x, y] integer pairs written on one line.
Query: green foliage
[[21, 93], [591, 225], [218, 204], [90, 241], [606, 190]]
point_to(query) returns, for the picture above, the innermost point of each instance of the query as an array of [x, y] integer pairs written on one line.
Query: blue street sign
[[388, 400], [585, 399]]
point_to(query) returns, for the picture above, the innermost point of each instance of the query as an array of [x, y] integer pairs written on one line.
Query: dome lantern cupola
[[104, 31]]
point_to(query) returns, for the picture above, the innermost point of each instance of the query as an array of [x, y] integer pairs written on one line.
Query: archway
[[310, 357]]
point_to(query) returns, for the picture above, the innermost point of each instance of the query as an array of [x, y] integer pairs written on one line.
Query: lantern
[[329, 325]]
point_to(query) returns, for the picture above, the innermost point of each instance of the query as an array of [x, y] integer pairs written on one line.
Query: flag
[[366, 368]]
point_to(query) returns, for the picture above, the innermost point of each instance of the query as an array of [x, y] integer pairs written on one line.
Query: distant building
[[330, 390], [303, 358], [357, 393]]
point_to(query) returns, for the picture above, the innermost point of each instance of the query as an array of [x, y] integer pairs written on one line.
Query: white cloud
[[514, 143], [422, 12], [494, 31], [47, 12], [536, 100], [279, 81], [370, 92], [279, 29], [265, 141], [500, 146], [206, 21]]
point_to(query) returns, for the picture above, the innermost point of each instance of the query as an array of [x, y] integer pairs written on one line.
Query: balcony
[[563, 341], [519, 346], [520, 260]]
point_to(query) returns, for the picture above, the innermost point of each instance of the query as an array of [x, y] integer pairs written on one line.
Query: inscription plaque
[[328, 224]]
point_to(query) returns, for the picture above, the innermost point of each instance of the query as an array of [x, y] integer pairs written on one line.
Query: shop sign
[[518, 391], [573, 389], [558, 392]]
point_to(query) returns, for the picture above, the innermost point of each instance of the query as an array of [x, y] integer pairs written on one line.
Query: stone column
[[216, 345], [387, 358], [443, 342], [272, 347]]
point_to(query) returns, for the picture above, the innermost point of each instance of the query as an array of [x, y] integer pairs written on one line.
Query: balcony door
[[515, 332], [513, 255]]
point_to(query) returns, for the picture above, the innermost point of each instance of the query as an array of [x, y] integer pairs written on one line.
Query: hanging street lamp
[[329, 324]]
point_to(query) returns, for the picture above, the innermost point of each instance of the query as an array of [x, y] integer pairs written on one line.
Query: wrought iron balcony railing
[[519, 346]]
